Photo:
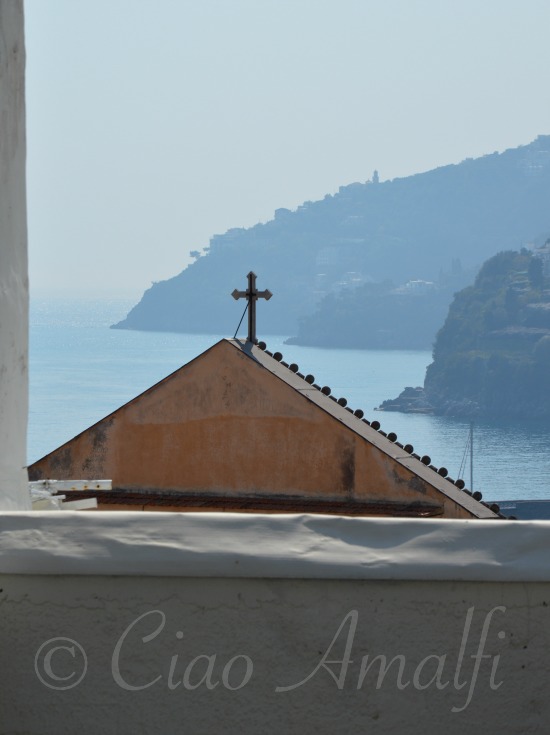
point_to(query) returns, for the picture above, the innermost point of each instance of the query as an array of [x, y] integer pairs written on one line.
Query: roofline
[[361, 426], [342, 413], [151, 389]]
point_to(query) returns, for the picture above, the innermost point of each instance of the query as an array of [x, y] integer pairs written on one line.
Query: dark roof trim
[[359, 426]]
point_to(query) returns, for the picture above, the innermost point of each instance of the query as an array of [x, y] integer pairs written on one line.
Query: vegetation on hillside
[[492, 355]]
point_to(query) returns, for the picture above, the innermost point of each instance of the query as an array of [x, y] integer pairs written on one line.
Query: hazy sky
[[154, 125]]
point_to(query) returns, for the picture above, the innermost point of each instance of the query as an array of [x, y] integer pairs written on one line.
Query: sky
[[152, 126]]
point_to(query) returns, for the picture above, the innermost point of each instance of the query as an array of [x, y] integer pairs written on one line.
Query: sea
[[81, 370]]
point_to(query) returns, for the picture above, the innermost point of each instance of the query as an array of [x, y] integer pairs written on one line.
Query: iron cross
[[252, 295]]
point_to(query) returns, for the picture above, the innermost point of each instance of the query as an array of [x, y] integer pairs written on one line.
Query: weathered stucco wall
[[225, 424], [219, 647], [280, 630], [13, 261]]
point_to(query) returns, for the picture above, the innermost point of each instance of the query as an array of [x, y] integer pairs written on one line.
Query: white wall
[[13, 260], [285, 627], [103, 615]]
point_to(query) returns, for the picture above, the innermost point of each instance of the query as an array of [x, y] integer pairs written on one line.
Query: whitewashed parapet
[[273, 546]]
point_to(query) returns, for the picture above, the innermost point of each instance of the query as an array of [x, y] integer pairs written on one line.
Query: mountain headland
[[404, 245], [492, 355]]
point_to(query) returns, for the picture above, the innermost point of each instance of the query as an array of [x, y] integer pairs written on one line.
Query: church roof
[[237, 428]]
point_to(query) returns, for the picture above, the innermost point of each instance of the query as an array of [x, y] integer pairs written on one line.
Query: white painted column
[[14, 290]]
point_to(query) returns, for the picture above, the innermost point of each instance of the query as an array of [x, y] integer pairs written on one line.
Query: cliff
[[492, 355]]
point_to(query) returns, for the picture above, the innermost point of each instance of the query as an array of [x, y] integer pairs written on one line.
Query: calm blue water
[[80, 370]]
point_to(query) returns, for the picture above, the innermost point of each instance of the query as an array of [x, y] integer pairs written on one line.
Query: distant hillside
[[400, 230], [492, 355], [381, 316]]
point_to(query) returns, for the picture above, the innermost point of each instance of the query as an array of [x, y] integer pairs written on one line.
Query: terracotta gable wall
[[224, 424]]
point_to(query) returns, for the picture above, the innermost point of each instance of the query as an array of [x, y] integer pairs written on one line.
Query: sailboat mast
[[471, 456]]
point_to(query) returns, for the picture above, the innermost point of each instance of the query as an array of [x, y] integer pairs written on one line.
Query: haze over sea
[[80, 371]]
